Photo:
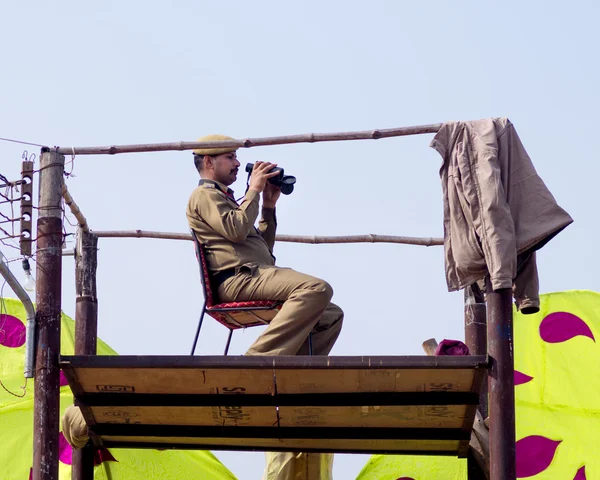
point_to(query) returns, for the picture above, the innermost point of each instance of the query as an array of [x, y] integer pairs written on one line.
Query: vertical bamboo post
[[48, 287], [501, 384], [476, 333], [86, 329], [476, 340]]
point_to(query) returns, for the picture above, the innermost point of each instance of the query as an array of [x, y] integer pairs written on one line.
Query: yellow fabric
[[214, 151], [562, 401], [16, 426], [557, 390]]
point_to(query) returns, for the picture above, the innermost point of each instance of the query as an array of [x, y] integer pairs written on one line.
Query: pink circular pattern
[[12, 331]]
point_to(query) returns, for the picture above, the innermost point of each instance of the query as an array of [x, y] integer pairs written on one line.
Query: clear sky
[[112, 72]]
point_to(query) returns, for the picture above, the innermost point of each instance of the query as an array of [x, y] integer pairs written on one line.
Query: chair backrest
[[204, 276]]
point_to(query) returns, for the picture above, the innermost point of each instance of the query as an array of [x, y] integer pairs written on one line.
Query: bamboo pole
[[501, 385], [86, 329], [46, 413], [479, 449], [75, 209], [254, 142], [369, 238], [478, 459]]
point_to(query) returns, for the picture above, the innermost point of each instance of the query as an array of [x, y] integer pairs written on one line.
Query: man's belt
[[219, 277]]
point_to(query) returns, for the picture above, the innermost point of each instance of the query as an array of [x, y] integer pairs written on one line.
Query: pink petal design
[[103, 455], [12, 331], [562, 326], [65, 451], [580, 475], [521, 378], [534, 455], [63, 380]]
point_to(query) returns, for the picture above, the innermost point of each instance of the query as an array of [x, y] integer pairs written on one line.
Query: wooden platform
[[400, 404]]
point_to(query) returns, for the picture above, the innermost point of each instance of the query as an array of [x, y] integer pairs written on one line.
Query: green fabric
[[16, 426], [557, 399]]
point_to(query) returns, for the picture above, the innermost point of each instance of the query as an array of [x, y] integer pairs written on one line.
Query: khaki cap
[[214, 151]]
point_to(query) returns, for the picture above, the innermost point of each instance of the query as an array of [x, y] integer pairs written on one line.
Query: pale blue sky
[[82, 74]]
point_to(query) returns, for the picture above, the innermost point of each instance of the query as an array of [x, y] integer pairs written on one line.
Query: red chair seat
[[258, 304], [236, 315], [232, 315]]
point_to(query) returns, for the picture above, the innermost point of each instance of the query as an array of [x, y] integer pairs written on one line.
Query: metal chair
[[233, 315]]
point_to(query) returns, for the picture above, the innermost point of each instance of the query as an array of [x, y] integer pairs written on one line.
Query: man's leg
[[301, 465], [325, 332], [306, 306], [298, 466]]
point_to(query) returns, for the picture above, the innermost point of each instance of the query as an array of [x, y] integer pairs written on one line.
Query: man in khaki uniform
[[240, 257], [242, 266]]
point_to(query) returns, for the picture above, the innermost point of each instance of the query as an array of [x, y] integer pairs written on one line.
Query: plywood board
[[442, 416], [225, 416], [375, 380], [143, 397], [450, 446], [269, 381], [175, 380]]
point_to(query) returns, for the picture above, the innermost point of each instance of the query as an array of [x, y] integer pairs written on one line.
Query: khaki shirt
[[227, 229]]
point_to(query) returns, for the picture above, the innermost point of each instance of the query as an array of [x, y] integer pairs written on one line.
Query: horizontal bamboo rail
[[254, 142], [369, 238]]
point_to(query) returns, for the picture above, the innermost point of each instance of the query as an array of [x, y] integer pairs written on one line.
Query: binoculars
[[284, 182]]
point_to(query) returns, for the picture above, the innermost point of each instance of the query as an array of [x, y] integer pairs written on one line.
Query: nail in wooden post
[[86, 329], [48, 297]]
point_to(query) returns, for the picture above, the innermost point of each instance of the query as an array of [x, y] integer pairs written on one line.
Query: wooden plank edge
[[220, 447]]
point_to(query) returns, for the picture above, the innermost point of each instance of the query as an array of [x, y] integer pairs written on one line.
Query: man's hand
[[271, 194], [260, 175]]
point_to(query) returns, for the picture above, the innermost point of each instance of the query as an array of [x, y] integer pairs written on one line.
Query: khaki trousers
[[306, 308]]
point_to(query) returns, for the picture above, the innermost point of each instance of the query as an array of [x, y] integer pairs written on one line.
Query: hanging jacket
[[496, 208]]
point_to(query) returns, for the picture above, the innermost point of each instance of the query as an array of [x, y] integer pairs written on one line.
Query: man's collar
[[220, 186]]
